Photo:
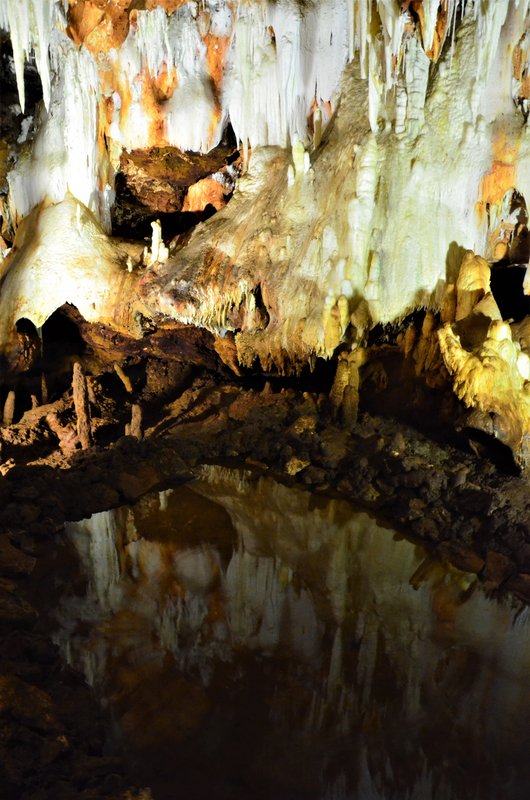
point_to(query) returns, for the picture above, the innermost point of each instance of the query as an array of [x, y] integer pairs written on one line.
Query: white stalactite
[[30, 24], [64, 155]]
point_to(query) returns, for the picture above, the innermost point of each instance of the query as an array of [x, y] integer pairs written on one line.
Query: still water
[[252, 643]]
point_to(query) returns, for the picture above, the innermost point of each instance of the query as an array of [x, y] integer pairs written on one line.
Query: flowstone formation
[[317, 169], [489, 360]]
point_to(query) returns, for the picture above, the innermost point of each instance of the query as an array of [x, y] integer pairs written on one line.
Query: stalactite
[[30, 23], [126, 381]]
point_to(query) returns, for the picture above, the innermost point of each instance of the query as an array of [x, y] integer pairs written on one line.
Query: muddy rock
[[14, 562], [15, 612]]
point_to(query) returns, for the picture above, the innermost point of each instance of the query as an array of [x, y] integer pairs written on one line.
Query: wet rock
[[87, 500], [296, 465], [27, 704], [163, 379], [303, 425], [14, 610], [398, 444], [461, 557], [133, 486], [519, 585], [409, 480], [335, 447], [459, 476], [416, 508], [522, 555], [426, 528], [314, 476], [472, 500], [497, 570], [13, 562], [465, 529]]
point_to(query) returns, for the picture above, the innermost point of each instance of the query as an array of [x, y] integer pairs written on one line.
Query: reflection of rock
[[356, 637]]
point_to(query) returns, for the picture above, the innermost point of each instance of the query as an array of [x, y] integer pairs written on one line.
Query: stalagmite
[[158, 254], [488, 307], [493, 380], [423, 352], [344, 395], [134, 428], [472, 285], [9, 408], [66, 434], [82, 407], [43, 389]]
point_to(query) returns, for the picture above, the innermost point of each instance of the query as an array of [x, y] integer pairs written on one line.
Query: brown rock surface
[[158, 178], [14, 562]]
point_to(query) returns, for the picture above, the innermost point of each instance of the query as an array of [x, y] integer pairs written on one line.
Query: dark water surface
[[251, 642]]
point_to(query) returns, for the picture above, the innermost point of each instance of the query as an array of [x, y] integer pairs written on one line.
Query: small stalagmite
[[134, 427], [82, 407], [9, 409], [344, 395]]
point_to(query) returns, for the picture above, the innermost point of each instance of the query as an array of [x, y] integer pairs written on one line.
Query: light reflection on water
[[252, 643]]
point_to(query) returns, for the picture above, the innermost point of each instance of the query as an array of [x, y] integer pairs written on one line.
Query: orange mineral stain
[[207, 191], [501, 176]]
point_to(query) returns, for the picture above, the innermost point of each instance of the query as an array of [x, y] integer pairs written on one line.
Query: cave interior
[[265, 399]]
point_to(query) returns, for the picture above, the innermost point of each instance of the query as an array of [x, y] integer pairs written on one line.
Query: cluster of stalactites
[[178, 72], [267, 66], [30, 24]]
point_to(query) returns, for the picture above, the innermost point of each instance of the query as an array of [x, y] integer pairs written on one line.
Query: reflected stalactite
[[343, 635]]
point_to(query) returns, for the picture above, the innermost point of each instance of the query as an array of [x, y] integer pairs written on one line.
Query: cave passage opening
[[507, 289], [62, 344], [510, 248]]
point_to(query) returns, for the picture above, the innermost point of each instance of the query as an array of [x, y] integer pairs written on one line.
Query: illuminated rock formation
[[494, 379], [61, 255], [379, 140]]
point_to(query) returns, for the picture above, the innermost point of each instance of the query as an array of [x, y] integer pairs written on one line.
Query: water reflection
[[252, 643]]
